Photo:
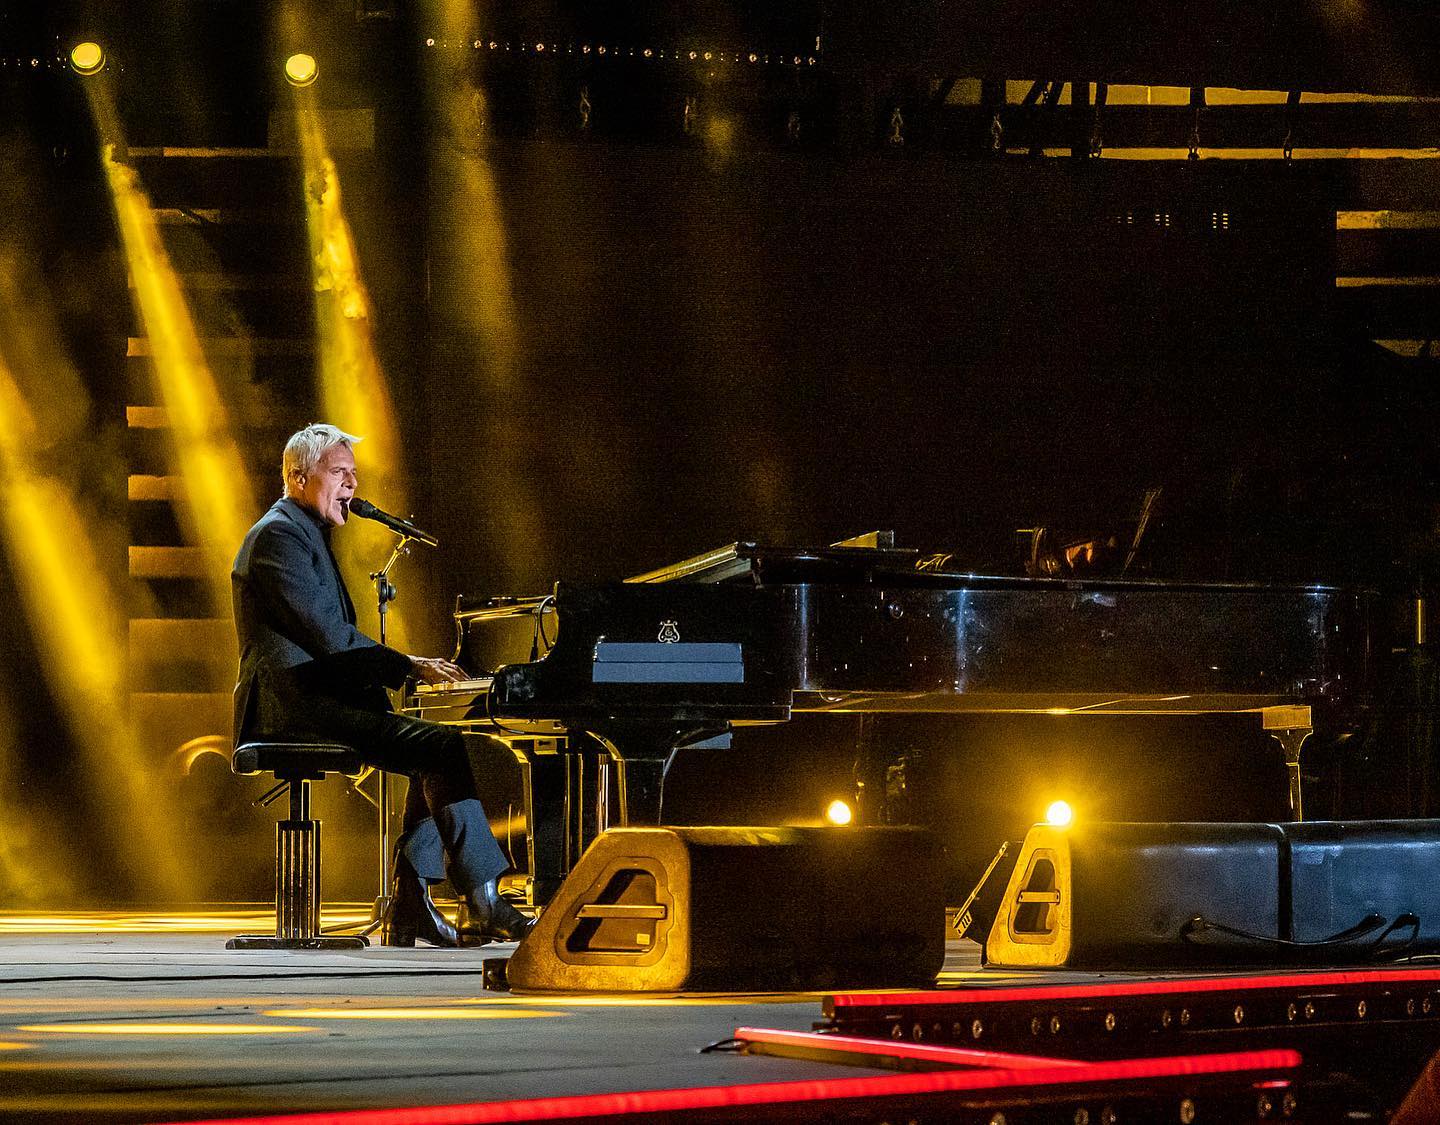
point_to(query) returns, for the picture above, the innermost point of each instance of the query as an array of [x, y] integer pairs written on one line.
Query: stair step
[[1423, 350], [250, 408], [1414, 282], [1387, 220], [186, 638], [145, 487], [146, 418], [167, 562]]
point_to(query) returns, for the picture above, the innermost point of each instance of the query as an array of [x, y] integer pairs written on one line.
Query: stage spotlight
[[839, 813], [87, 58], [301, 69], [1060, 814]]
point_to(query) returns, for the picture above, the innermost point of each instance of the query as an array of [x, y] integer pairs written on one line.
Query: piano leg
[[563, 806], [874, 758], [546, 815], [641, 787], [639, 757], [641, 753]]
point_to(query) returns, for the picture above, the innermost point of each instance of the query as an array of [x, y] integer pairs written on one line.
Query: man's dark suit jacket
[[296, 626]]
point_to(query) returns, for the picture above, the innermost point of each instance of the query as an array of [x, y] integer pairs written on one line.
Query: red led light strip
[[813, 1043], [781, 1093], [1133, 988]]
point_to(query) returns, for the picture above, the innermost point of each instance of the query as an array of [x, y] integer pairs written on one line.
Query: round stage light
[[839, 813], [301, 69], [1060, 814], [87, 58]]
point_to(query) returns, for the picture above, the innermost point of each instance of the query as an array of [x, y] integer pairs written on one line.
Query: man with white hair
[[306, 671]]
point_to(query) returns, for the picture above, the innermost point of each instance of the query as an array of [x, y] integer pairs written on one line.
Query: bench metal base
[[323, 941]]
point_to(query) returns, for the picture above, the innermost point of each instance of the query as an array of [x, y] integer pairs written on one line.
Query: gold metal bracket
[[1290, 726]]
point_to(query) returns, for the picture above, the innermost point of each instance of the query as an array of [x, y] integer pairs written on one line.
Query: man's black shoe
[[412, 914], [486, 917]]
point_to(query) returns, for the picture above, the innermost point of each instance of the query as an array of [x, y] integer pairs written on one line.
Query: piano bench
[[297, 841]]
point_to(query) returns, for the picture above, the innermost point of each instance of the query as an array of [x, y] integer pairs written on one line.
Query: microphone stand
[[385, 593]]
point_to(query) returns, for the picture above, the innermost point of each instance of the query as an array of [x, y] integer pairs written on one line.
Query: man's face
[[326, 489]]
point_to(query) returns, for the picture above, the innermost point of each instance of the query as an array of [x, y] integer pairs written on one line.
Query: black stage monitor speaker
[[1108, 894], [1344, 872], [741, 909], [1112, 895]]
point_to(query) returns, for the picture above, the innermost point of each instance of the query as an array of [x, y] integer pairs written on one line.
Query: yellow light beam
[[354, 393], [470, 209], [205, 449], [73, 609], [68, 599], [209, 461]]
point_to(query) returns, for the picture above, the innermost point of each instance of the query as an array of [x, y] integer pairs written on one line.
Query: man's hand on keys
[[435, 670]]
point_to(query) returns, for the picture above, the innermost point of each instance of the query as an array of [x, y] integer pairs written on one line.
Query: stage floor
[[132, 1017], [136, 1017]]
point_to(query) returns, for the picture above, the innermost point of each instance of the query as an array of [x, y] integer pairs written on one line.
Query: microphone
[[366, 510]]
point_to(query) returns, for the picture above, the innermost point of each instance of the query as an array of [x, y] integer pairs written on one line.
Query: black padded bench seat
[[286, 760], [297, 841]]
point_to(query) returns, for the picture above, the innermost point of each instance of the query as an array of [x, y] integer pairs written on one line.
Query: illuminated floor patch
[[94, 1005], [164, 1028], [5, 1046], [177, 922], [653, 1000], [410, 1013]]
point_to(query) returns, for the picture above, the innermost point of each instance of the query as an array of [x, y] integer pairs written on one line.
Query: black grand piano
[[621, 676]]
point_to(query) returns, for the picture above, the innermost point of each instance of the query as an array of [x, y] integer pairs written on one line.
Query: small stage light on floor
[[839, 813], [87, 58], [301, 69], [1060, 814]]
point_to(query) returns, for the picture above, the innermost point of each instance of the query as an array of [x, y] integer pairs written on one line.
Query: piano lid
[[894, 566], [738, 560]]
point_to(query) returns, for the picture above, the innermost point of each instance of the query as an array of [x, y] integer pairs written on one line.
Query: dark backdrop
[[789, 348]]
